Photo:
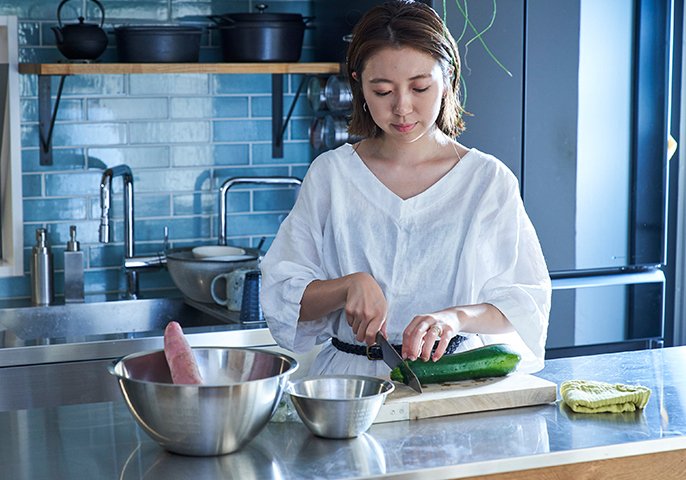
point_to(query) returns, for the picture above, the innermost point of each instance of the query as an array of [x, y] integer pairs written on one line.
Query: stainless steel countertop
[[102, 441]]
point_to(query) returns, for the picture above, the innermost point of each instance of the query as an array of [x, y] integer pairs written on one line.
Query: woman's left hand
[[425, 329]]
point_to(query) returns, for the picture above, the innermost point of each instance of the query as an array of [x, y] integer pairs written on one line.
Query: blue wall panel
[[182, 136]]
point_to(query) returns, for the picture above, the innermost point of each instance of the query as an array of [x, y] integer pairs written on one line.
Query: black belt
[[373, 352]]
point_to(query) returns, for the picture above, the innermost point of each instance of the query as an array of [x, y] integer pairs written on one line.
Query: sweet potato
[[180, 358]]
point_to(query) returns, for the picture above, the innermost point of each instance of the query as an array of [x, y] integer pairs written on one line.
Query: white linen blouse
[[465, 240]]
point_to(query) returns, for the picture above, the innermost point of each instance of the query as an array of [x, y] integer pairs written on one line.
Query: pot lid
[[157, 29], [80, 25], [264, 17]]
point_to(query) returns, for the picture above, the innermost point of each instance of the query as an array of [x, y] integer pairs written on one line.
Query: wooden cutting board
[[517, 390]]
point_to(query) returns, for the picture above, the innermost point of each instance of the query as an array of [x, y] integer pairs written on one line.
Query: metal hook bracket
[[46, 115]]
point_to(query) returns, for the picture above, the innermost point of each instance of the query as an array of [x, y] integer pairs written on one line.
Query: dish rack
[[222, 313]]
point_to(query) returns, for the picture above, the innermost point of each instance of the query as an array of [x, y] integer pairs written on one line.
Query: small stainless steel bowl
[[240, 392], [338, 406]]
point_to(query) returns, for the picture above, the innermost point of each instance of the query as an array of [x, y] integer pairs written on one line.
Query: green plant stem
[[464, 25], [487, 28], [478, 34]]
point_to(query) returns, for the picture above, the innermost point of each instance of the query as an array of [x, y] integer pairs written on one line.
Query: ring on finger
[[437, 330]]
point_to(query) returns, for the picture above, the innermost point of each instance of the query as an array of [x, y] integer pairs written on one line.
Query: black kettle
[[81, 41]]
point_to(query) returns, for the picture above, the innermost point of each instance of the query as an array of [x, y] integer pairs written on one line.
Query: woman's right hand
[[365, 307]]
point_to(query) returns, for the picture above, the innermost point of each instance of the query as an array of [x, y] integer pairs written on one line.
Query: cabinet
[[583, 123], [47, 113]]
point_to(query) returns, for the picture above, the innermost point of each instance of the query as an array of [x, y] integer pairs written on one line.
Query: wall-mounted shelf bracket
[[47, 116], [279, 124]]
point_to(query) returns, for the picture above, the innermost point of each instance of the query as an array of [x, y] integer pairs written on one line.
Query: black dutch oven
[[158, 43], [261, 37]]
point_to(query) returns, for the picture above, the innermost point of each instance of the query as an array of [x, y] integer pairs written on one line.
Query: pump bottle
[[73, 270], [41, 270]]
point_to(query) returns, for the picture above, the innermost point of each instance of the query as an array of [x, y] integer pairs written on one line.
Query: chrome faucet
[[131, 263], [106, 203], [224, 190]]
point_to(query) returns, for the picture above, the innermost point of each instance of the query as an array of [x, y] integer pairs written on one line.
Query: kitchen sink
[[83, 322], [60, 354], [87, 331]]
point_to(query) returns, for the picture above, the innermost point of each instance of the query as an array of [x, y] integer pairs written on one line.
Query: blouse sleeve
[[513, 274], [292, 262]]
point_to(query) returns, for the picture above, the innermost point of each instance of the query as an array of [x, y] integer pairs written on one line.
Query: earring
[[364, 106]]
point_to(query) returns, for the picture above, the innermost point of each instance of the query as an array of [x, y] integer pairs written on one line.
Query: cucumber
[[488, 361]]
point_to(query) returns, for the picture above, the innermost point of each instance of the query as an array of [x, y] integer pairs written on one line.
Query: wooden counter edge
[[669, 465]]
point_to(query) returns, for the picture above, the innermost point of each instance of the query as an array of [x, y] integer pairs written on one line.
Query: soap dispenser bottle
[[73, 270], [41, 270]]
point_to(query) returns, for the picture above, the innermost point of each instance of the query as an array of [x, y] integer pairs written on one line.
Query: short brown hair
[[404, 23]]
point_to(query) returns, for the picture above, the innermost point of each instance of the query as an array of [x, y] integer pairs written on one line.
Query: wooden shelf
[[45, 72], [161, 68]]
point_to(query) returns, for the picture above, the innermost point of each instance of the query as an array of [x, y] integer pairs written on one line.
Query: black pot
[[261, 37], [158, 43]]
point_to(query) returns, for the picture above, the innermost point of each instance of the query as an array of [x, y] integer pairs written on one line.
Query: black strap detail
[[373, 352]]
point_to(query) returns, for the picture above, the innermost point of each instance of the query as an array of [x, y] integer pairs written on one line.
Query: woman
[[406, 232]]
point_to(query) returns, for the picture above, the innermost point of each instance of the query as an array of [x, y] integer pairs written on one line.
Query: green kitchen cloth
[[586, 396]]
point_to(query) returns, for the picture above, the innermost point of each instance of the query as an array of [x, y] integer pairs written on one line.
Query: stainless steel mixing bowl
[[338, 406], [193, 275], [240, 392]]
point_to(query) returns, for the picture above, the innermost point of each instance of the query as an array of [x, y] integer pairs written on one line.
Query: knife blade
[[393, 359]]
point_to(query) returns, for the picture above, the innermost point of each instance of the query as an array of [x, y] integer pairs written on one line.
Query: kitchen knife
[[393, 359]]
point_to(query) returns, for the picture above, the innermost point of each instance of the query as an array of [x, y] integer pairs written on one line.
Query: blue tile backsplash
[[182, 136]]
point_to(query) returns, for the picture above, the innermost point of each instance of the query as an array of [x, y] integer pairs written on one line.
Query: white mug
[[232, 293]]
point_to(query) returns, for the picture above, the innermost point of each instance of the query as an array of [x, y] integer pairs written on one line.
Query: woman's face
[[403, 89]]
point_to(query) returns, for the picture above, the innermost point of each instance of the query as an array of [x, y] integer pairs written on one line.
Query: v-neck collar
[[378, 192]]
